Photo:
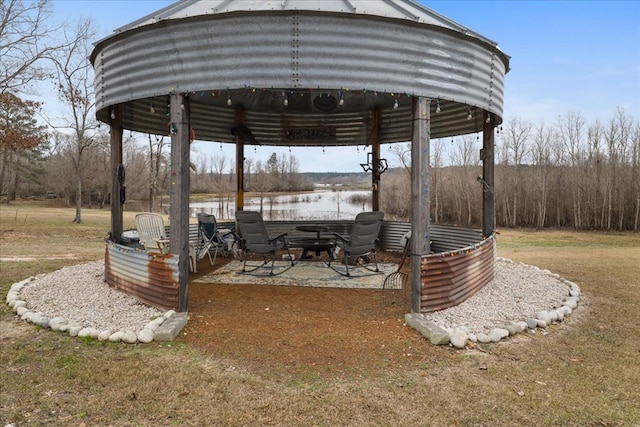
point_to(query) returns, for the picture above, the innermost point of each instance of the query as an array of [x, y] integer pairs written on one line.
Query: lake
[[319, 204]]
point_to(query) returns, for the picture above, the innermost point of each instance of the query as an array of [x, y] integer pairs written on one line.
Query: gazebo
[[302, 73]]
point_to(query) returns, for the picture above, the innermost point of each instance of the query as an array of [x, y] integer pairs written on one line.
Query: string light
[[395, 104], [488, 118], [113, 113], [469, 116], [437, 105], [152, 109], [229, 101]]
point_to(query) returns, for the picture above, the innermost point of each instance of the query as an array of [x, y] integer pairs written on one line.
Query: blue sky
[[566, 57]]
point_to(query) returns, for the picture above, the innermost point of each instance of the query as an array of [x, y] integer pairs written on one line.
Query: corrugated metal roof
[[397, 9]]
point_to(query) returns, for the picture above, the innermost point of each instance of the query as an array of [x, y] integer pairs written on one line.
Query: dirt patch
[[10, 330], [322, 330]]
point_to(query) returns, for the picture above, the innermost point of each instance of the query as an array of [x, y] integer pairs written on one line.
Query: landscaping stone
[[55, 323], [544, 316], [74, 329], [129, 337], [532, 323], [570, 303], [521, 326], [435, 334], [511, 327], [116, 336], [458, 338], [496, 334], [171, 326], [104, 335], [484, 338], [541, 324], [566, 310], [145, 335]]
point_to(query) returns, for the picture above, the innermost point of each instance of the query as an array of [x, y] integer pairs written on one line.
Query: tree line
[[569, 174]]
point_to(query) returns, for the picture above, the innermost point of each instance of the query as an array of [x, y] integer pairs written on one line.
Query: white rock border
[[20, 307], [460, 336]]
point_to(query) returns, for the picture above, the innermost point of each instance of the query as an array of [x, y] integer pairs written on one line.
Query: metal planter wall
[[153, 279], [449, 278]]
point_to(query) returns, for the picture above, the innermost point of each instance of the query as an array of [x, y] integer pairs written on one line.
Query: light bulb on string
[[152, 109], [395, 104], [469, 116], [488, 118], [437, 105], [229, 101], [113, 113], [285, 101]]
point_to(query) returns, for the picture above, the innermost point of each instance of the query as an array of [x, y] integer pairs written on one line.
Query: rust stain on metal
[[150, 278]]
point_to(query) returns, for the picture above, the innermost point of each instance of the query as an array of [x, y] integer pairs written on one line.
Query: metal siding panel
[[452, 277], [151, 279], [214, 56]]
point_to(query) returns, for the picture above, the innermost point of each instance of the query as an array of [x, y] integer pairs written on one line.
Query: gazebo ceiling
[[305, 73]]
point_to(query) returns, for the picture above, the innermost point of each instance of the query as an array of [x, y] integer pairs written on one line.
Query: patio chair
[[254, 238], [361, 242], [153, 236], [212, 239]]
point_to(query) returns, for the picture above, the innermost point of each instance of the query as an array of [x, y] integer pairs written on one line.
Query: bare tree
[[541, 155], [25, 29], [157, 163], [75, 89], [571, 130]]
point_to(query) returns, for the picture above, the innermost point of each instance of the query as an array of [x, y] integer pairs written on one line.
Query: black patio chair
[[254, 239], [361, 243], [212, 239]]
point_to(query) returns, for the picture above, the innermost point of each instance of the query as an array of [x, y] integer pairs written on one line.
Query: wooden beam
[[420, 206], [117, 173], [488, 183], [375, 154], [241, 120], [179, 192]]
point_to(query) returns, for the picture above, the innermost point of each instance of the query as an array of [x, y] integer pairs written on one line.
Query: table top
[[312, 228]]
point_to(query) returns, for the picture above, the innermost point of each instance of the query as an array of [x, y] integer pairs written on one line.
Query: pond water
[[319, 204]]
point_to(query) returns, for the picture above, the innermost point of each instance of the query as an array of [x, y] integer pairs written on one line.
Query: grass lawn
[[583, 372]]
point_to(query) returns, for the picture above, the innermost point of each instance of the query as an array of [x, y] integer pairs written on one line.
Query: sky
[[566, 57]]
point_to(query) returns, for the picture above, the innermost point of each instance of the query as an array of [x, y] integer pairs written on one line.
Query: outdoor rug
[[304, 273]]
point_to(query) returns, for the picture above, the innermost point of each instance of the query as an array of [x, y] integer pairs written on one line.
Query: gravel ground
[[80, 295], [517, 292]]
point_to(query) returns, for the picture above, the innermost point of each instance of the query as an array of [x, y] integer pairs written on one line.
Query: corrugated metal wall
[[151, 279], [256, 58], [451, 277], [462, 263]]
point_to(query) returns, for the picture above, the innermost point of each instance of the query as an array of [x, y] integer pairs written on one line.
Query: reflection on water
[[321, 204]]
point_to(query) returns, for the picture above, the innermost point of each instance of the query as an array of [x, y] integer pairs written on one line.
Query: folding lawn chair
[[212, 239]]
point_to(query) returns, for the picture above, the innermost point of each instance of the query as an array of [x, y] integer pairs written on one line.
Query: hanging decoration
[[369, 166]]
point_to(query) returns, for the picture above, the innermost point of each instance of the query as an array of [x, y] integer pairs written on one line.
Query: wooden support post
[[117, 173], [488, 183], [240, 119], [420, 206], [179, 192], [375, 154]]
